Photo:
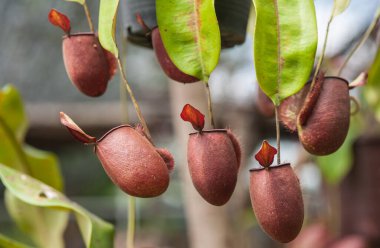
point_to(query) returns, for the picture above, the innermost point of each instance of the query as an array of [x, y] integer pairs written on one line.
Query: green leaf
[[8, 146], [12, 111], [7, 242], [372, 88], [340, 6], [95, 232], [335, 166], [13, 125], [107, 25], [46, 226], [190, 33], [78, 1], [285, 43], [40, 164], [44, 166]]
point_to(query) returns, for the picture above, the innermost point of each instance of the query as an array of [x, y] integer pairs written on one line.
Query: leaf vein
[[278, 50]]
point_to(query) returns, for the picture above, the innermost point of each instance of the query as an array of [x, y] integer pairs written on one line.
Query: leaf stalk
[[209, 104], [134, 101], [361, 41], [88, 16], [278, 135]]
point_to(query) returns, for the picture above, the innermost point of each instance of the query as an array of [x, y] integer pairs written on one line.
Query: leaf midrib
[[198, 37], [278, 50]]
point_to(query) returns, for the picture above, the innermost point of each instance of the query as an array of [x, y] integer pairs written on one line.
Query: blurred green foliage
[[43, 221]]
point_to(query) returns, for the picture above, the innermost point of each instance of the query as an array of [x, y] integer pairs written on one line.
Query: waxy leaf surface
[[44, 225], [285, 43], [10, 243], [95, 232], [107, 25], [190, 33], [194, 116], [37, 223], [59, 19], [266, 154], [12, 111]]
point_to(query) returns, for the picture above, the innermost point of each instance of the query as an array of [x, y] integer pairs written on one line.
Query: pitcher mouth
[[111, 130], [79, 34], [221, 130], [268, 168], [332, 77], [339, 78]]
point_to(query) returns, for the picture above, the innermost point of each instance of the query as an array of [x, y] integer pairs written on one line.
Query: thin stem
[[123, 91], [88, 15], [131, 222], [278, 138], [17, 147], [209, 104], [323, 48], [361, 41], [124, 102], [135, 104], [130, 235]]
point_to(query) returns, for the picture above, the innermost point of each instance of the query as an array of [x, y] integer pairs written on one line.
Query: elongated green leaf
[[78, 1], [7, 242], [12, 111], [45, 225], [44, 166], [371, 90], [95, 232], [285, 43], [190, 33], [107, 25], [340, 6], [13, 123]]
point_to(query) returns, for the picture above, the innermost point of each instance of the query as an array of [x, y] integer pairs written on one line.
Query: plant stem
[[361, 41], [17, 147], [278, 138], [131, 221], [135, 104], [209, 104], [123, 90], [130, 235], [88, 15], [323, 48]]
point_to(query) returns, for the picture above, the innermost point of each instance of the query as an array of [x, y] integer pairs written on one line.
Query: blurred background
[[31, 60]]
